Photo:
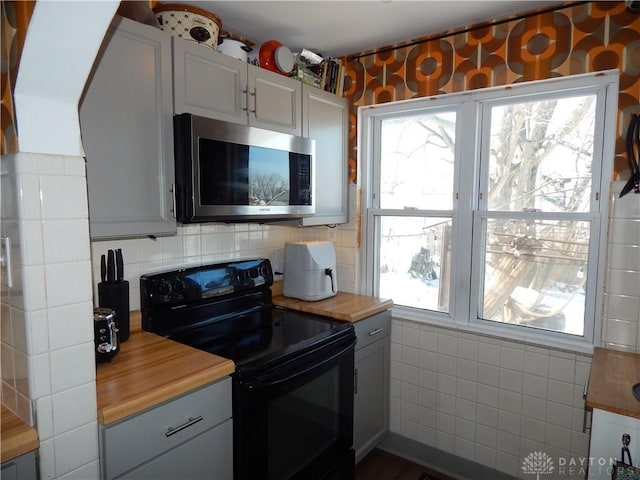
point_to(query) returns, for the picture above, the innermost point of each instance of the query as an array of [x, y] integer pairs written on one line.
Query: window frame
[[471, 108]]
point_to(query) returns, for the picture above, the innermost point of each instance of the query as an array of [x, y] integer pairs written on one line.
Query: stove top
[[226, 309], [271, 332]]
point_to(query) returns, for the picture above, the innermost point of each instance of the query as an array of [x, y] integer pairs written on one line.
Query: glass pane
[[541, 154], [535, 273], [415, 259], [417, 155]]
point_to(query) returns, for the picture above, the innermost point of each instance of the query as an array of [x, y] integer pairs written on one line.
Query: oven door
[[295, 420]]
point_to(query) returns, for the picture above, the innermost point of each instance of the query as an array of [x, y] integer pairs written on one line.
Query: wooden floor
[[381, 465]]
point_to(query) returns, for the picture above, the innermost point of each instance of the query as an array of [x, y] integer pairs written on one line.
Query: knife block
[[115, 295]]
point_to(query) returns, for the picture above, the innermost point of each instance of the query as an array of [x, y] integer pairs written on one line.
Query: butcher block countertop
[[613, 374], [149, 370], [18, 438], [347, 307]]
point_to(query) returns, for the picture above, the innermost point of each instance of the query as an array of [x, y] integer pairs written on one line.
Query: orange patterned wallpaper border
[[576, 39]]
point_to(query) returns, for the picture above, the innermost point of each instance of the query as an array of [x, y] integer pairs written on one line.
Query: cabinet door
[[274, 101], [20, 467], [208, 456], [371, 400], [325, 119], [127, 133], [208, 83]]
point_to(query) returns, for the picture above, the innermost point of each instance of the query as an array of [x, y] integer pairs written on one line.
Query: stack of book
[[327, 75], [332, 77]]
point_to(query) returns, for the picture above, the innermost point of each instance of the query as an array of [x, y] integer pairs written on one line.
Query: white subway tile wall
[[48, 375], [621, 316], [486, 400], [210, 243]]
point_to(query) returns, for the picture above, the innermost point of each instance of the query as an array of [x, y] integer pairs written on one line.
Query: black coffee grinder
[[105, 334]]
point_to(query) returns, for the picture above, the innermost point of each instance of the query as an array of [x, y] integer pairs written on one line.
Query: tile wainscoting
[[621, 316]]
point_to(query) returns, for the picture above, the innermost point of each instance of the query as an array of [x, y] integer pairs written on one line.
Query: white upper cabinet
[[127, 133], [214, 85], [325, 119]]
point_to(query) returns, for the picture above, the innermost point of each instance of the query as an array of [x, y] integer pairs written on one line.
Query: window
[[486, 210]]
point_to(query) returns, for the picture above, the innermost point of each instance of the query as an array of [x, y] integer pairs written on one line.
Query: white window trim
[[463, 300]]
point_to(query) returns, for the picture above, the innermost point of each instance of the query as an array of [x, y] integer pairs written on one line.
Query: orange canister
[[275, 57]]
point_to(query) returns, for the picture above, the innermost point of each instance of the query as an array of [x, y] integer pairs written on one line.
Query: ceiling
[[337, 28]]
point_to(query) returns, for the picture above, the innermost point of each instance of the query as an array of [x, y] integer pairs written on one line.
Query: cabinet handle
[[191, 421], [376, 331], [255, 102], [246, 100], [173, 199], [585, 427]]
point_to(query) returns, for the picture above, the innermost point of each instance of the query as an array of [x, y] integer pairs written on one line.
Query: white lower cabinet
[[188, 437], [606, 442], [371, 382]]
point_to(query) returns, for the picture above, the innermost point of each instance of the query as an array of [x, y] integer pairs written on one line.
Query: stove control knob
[[164, 287], [179, 286], [264, 271], [254, 273]]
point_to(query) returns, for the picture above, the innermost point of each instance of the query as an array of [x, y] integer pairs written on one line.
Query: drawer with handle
[[139, 438], [372, 328]]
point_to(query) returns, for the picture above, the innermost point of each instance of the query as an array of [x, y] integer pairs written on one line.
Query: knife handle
[[119, 265], [111, 266], [103, 268]]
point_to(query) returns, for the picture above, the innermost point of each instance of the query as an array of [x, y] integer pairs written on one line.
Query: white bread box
[[310, 270]]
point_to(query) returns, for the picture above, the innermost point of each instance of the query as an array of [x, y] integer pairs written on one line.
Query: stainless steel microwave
[[236, 173]]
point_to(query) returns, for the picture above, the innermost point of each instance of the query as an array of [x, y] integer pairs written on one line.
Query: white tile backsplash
[[621, 315]]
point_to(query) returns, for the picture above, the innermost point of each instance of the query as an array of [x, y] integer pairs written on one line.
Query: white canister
[[189, 22], [234, 45]]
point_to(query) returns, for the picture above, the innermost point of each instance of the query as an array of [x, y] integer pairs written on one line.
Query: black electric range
[[294, 370]]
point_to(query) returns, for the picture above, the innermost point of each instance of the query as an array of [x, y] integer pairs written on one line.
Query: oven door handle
[[267, 381]]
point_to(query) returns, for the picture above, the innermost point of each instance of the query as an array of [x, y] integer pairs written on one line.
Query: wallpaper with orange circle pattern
[[578, 38], [581, 38]]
